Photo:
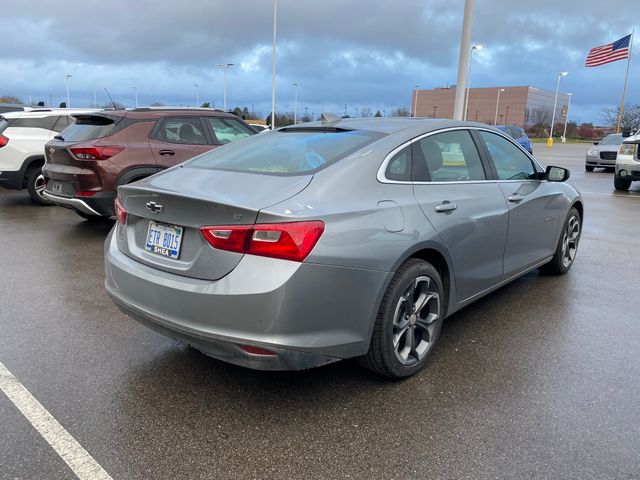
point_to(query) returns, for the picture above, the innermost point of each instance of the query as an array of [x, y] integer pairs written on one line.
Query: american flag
[[611, 52]]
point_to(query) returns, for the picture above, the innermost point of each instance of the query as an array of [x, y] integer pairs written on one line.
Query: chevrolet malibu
[[336, 239]]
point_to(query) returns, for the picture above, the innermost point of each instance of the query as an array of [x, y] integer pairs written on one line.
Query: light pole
[[465, 44], [566, 118], [273, 67], [66, 81], [506, 117], [295, 103], [555, 105], [135, 89], [477, 112], [356, 112], [415, 99], [495, 119], [225, 67], [197, 87], [466, 97], [306, 113], [435, 107]]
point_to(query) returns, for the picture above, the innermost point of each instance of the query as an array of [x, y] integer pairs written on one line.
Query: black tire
[[392, 320], [563, 259], [621, 184], [35, 186], [589, 168], [93, 218]]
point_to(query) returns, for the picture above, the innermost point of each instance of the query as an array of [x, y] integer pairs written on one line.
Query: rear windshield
[[615, 139], [88, 127], [292, 152]]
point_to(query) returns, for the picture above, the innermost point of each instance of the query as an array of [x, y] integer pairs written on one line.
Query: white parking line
[[619, 195], [78, 459]]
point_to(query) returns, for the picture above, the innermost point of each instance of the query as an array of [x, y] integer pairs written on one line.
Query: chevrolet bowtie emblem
[[153, 207]]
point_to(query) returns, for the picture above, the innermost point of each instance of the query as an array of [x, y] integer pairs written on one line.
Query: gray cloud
[[360, 52]]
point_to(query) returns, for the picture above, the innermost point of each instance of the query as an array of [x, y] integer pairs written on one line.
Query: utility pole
[[295, 103], [463, 62]]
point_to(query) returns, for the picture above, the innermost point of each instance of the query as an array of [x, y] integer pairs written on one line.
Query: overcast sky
[[365, 53]]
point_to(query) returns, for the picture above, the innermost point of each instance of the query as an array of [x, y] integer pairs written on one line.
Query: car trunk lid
[[189, 198]]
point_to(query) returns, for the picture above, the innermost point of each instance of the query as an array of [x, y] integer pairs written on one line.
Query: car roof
[[48, 112], [153, 113], [390, 125]]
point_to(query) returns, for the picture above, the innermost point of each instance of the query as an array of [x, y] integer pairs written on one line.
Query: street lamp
[[555, 105], [135, 90], [466, 98], [415, 100], [495, 119], [566, 118], [435, 107], [273, 68], [295, 103], [465, 43], [225, 67], [306, 113], [477, 112], [197, 87], [356, 112], [66, 81], [506, 117]]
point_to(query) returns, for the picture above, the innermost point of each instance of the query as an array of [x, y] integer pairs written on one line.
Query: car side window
[[183, 130], [515, 132], [227, 129], [511, 163], [63, 122], [399, 167], [446, 157], [45, 123]]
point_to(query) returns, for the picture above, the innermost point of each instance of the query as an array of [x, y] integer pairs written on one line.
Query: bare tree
[[366, 112], [10, 99], [400, 112], [630, 117]]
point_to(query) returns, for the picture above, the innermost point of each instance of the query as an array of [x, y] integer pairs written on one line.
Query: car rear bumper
[[100, 205], [306, 314]]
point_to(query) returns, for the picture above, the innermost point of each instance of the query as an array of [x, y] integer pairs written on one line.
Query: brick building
[[518, 105]]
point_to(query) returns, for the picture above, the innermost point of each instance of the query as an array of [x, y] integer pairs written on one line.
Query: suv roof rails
[[151, 109]]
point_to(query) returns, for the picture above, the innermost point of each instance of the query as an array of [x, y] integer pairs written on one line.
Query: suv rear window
[[88, 127], [294, 152], [45, 123]]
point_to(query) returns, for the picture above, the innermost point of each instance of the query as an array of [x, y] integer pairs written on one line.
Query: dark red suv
[[86, 162]]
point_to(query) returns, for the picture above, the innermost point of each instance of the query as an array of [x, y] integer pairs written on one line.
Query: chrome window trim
[[381, 177]]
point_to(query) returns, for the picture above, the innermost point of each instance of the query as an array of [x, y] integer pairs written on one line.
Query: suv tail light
[[3, 140], [121, 213], [101, 152], [287, 241]]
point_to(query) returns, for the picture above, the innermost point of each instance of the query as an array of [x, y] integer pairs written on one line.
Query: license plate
[[164, 239]]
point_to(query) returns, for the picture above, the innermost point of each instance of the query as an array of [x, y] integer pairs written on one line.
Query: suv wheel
[[408, 322], [35, 186], [621, 184]]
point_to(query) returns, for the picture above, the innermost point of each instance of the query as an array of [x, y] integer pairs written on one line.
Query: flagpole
[[626, 78]]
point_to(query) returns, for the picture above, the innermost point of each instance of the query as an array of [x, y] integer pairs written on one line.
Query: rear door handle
[[167, 153], [445, 207], [516, 197]]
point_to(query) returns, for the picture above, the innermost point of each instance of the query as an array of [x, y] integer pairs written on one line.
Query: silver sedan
[[336, 239]]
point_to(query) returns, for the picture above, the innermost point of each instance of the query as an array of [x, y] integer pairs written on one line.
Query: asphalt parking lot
[[538, 380]]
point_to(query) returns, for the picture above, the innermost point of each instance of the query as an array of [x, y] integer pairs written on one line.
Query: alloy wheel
[[415, 320], [570, 239], [39, 185]]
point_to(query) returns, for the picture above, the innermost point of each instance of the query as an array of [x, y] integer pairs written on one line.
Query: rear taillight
[[287, 241], [253, 350], [101, 152], [3, 140], [121, 213]]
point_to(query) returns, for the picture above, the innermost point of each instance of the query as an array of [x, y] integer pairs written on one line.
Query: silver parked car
[[603, 153], [336, 239]]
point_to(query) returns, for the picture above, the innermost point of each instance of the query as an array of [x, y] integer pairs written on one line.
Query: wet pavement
[[540, 379]]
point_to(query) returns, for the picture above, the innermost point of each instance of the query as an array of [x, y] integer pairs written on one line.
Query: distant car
[[13, 107], [23, 135], [87, 162], [519, 135], [259, 127], [343, 238], [627, 165], [603, 153]]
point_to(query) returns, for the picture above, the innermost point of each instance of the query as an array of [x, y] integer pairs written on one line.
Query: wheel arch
[[135, 173], [578, 205], [34, 161]]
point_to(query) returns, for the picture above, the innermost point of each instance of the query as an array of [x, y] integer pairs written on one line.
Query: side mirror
[[596, 143], [557, 174]]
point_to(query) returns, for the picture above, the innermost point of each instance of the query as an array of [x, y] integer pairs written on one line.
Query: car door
[[535, 205], [177, 139], [467, 209]]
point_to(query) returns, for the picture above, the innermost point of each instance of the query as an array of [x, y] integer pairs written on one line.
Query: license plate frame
[[162, 245]]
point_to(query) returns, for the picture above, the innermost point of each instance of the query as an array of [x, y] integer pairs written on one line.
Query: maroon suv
[[86, 163]]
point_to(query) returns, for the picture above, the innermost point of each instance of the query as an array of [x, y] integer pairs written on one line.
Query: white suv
[[627, 163], [22, 139]]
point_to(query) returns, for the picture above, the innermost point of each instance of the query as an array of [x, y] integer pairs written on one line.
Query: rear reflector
[[256, 350], [101, 152], [85, 193], [121, 213], [3, 141], [287, 241]]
